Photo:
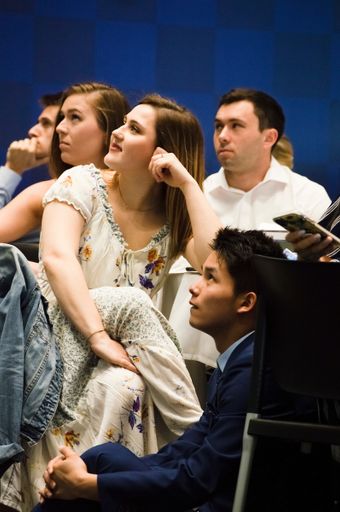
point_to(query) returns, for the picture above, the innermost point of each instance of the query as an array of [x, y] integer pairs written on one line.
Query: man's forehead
[[214, 263], [49, 113], [237, 110]]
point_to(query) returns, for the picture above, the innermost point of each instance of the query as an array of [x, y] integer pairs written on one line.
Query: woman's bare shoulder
[[39, 188], [31, 197], [24, 212]]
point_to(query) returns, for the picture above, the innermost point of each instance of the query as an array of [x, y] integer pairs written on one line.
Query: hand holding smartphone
[[297, 222]]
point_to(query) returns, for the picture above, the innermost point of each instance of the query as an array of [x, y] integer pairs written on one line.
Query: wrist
[[189, 184], [88, 339], [18, 170], [86, 487], [98, 339]]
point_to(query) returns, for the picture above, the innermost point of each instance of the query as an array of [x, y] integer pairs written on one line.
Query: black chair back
[[31, 251], [302, 323], [298, 336]]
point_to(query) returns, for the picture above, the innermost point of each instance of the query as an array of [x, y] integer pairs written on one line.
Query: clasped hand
[[63, 476]]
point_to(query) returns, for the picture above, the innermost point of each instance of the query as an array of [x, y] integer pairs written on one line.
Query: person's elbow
[[55, 260]]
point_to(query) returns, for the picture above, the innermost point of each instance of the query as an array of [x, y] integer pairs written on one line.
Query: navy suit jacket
[[200, 468]]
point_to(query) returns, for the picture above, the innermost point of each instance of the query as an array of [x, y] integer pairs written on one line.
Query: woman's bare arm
[[61, 229], [166, 167], [23, 213]]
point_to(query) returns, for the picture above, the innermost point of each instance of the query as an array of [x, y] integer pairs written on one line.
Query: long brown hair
[[178, 131], [109, 105]]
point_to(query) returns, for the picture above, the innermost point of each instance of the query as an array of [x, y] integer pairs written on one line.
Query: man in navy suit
[[200, 468]]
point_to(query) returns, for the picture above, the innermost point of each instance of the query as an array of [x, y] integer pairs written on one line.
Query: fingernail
[[302, 232]]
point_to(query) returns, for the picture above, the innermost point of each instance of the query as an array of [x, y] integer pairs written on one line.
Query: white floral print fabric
[[101, 402], [103, 252]]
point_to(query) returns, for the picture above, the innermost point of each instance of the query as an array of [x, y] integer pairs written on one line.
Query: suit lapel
[[216, 379]]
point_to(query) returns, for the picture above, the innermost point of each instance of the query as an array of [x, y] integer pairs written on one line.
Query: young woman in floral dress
[[109, 239]]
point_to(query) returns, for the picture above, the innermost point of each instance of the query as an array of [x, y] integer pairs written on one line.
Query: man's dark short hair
[[235, 248], [266, 108], [51, 100]]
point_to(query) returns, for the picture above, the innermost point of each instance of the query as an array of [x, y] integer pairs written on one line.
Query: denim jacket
[[30, 362]]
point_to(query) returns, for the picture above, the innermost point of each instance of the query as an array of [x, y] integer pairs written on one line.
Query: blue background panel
[[307, 126], [64, 50], [22, 6], [301, 68], [77, 9], [15, 103], [315, 172], [336, 16], [293, 16], [128, 10], [126, 54], [334, 132], [201, 13], [335, 66], [192, 51], [246, 14], [16, 50], [185, 59], [244, 58]]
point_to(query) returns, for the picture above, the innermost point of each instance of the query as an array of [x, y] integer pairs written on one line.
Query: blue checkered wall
[[190, 50]]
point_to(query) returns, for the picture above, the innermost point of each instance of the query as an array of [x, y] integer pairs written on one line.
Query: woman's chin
[[108, 161]]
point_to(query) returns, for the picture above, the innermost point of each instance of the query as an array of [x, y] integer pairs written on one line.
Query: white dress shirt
[[281, 191]]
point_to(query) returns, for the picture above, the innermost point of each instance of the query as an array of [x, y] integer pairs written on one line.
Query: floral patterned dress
[[101, 402], [103, 253]]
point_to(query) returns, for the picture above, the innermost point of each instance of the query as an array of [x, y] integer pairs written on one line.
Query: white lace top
[[103, 252]]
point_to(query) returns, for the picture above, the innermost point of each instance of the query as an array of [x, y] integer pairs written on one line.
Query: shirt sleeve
[[9, 180], [319, 205], [76, 187], [313, 199]]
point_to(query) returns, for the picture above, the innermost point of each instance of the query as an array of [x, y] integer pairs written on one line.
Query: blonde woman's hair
[[283, 152], [178, 131], [110, 107]]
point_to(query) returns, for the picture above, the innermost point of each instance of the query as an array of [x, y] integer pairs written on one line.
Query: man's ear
[[271, 135], [247, 302]]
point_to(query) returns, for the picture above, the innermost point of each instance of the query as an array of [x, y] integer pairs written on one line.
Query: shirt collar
[[220, 180], [276, 172], [224, 358]]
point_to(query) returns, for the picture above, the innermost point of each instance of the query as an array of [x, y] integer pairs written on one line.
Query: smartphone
[[297, 222]]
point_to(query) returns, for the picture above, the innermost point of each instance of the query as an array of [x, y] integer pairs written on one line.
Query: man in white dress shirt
[[249, 190], [252, 187]]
